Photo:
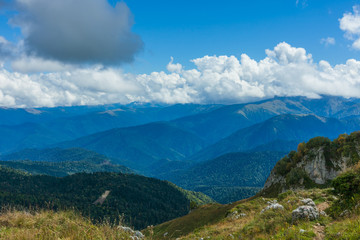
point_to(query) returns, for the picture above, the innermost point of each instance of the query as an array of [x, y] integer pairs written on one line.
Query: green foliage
[[60, 162], [139, 147], [317, 142], [283, 165], [56, 155], [61, 169], [294, 177], [298, 177], [229, 194], [196, 198], [347, 187], [142, 201]]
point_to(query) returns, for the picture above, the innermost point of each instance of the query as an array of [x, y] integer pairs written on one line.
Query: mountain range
[[178, 142]]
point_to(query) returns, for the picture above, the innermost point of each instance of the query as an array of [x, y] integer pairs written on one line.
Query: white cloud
[[79, 87], [171, 67], [285, 71], [350, 24], [89, 31], [328, 41]]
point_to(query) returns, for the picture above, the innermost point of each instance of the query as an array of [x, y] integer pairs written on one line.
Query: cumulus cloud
[[95, 85], [285, 71], [328, 41], [350, 24], [171, 67], [89, 31]]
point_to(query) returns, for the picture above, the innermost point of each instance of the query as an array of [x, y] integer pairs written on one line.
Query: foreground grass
[[240, 220], [272, 224], [346, 228], [54, 225]]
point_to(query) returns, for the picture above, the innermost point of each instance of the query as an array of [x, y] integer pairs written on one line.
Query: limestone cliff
[[314, 164]]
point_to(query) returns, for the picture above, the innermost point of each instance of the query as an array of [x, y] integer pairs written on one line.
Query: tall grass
[[49, 225]]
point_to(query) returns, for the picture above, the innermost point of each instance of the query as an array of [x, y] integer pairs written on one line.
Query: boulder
[[308, 202], [305, 212]]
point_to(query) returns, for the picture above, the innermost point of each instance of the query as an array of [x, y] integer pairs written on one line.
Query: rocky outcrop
[[319, 170], [314, 166], [307, 211], [303, 212]]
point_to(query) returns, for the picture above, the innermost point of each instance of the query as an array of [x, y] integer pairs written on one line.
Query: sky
[[86, 52]]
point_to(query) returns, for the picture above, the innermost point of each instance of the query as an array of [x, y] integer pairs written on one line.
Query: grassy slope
[[16, 225], [202, 216], [215, 220]]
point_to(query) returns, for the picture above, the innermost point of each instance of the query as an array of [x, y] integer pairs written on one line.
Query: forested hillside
[[60, 162], [141, 201], [141, 146], [230, 177]]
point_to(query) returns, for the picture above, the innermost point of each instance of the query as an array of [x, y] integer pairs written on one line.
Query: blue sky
[[66, 52], [191, 29]]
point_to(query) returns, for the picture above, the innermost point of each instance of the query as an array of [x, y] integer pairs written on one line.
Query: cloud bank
[[81, 31], [285, 71], [350, 24]]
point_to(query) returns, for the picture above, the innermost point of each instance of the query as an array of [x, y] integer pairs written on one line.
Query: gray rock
[[308, 202], [127, 229], [305, 212], [315, 166], [274, 206], [322, 213], [136, 235], [236, 215], [139, 234]]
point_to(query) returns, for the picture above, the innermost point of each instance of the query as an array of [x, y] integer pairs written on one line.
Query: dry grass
[[49, 225]]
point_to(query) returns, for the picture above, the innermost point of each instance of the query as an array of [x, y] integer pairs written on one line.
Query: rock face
[[308, 211], [318, 171], [316, 168]]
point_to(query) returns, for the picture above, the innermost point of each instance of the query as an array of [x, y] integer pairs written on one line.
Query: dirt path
[[319, 232]]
